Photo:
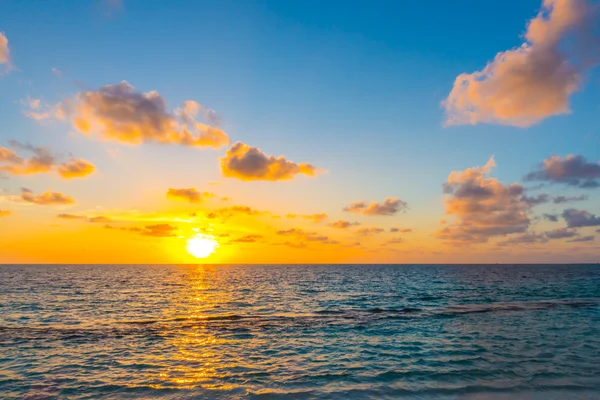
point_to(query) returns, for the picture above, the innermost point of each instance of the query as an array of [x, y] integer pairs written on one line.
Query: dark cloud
[[191, 195], [569, 199], [369, 231], [536, 200], [582, 239], [561, 233], [526, 238], [404, 230], [550, 217], [573, 170], [390, 206], [341, 224], [247, 239], [158, 230], [580, 218]]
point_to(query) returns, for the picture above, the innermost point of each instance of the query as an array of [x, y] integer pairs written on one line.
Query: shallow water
[[381, 331]]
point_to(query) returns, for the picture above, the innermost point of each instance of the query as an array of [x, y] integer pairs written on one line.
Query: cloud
[[369, 231], [551, 217], [561, 233], [527, 84], [5, 51], [122, 114], [536, 200], [250, 164], [42, 161], [191, 195], [396, 240], [70, 216], [308, 236], [404, 230], [247, 239], [99, 219], [316, 217], [573, 170], [580, 218], [483, 206], [227, 212], [582, 239], [569, 199], [527, 238], [159, 230], [46, 198], [76, 168], [341, 224], [390, 206], [5, 213]]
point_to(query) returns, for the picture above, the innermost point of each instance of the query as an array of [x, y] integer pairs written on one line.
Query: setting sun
[[201, 246]]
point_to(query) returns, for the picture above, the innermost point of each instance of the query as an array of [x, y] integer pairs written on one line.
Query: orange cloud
[[42, 161], [247, 239], [226, 212], [5, 213], [527, 84], [4, 51], [483, 207], [191, 195], [120, 113], [250, 164], [390, 206], [46, 198], [308, 236], [341, 224], [158, 230], [316, 217], [76, 168], [369, 231]]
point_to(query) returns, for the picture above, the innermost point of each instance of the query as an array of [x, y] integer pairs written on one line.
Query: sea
[[469, 332]]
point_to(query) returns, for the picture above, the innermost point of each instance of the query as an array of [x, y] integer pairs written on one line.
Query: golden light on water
[[201, 246]]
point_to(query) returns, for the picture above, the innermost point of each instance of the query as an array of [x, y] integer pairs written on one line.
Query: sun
[[201, 246]]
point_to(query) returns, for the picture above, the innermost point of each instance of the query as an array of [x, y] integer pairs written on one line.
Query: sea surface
[[293, 331]]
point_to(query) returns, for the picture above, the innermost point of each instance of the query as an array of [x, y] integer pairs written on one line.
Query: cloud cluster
[[369, 231], [573, 170], [304, 235], [232, 211], [42, 161], [544, 237], [525, 85], [342, 224], [46, 198], [390, 206], [580, 218], [483, 206], [120, 113], [250, 164], [191, 195], [247, 239], [159, 230]]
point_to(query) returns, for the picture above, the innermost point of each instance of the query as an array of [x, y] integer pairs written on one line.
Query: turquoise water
[[380, 331]]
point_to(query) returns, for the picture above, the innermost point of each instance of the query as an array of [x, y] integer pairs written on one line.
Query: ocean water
[[291, 331]]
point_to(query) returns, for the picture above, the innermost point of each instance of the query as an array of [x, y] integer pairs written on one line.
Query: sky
[[299, 132]]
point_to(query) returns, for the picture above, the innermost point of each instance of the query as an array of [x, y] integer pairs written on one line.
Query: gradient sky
[[362, 100]]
